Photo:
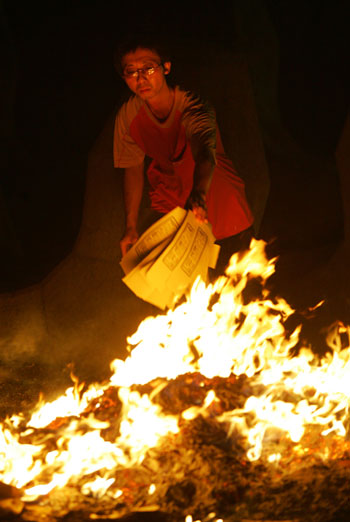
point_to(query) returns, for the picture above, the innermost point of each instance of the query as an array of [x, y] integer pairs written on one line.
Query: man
[[178, 131]]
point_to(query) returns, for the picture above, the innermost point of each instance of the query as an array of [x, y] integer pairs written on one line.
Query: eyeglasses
[[148, 70]]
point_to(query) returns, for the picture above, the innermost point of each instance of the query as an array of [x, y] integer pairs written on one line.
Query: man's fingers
[[200, 214], [126, 243], [125, 247]]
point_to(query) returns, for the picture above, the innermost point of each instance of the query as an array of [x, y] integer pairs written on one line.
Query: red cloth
[[189, 132]]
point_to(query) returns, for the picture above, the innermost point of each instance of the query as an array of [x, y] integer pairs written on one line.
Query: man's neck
[[161, 105]]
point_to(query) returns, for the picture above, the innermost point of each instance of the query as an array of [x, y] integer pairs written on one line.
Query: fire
[[222, 330]]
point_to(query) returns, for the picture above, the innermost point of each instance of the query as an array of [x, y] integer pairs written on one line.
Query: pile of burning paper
[[213, 417], [168, 258]]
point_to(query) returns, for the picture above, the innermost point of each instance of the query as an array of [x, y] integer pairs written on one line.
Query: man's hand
[[200, 214], [197, 203], [128, 240]]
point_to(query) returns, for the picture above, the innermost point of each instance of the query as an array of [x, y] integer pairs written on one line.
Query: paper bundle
[[168, 257]]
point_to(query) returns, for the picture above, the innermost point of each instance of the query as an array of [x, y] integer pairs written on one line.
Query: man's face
[[142, 62]]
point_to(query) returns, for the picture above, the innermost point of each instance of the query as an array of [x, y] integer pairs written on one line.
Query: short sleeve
[[199, 120], [126, 153]]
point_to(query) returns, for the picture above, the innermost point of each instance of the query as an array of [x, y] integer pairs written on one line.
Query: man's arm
[[133, 189], [200, 124], [202, 176]]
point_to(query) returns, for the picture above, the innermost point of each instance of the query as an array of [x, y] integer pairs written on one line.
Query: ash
[[201, 471]]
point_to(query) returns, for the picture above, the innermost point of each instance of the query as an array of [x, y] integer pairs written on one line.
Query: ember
[[210, 418]]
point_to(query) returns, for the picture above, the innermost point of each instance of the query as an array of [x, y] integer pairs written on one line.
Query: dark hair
[[144, 41]]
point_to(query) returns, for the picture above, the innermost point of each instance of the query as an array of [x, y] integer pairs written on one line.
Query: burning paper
[[209, 418]]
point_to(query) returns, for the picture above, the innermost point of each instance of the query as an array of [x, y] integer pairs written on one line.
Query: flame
[[218, 331]]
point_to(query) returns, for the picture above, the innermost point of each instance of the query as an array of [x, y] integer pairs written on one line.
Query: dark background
[[59, 86]]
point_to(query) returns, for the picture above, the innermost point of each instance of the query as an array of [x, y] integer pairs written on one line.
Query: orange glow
[[215, 332]]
